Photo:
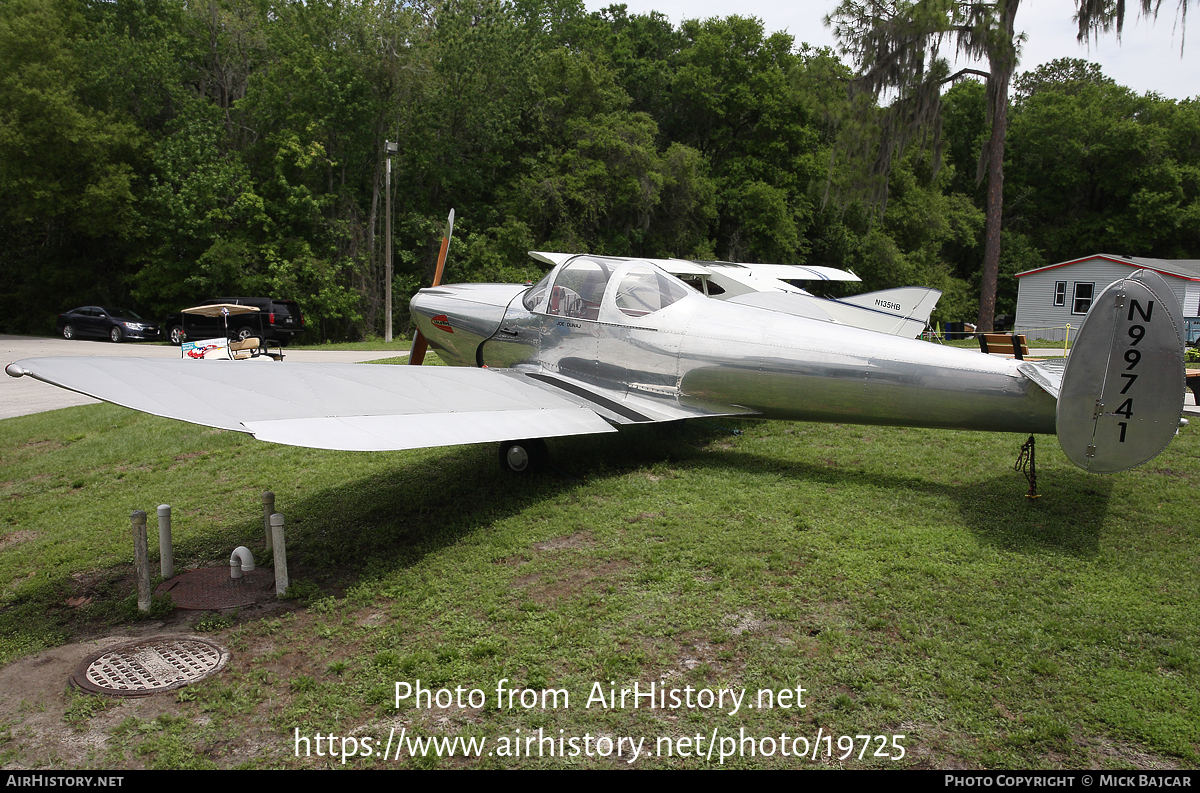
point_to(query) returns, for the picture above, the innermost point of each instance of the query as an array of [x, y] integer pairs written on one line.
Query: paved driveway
[[21, 396]]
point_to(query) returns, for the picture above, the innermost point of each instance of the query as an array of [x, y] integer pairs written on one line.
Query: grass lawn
[[370, 345], [898, 576]]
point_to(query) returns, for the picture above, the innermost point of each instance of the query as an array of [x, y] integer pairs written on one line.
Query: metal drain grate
[[211, 588], [148, 666]]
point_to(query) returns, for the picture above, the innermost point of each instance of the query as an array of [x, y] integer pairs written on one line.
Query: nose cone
[[456, 319]]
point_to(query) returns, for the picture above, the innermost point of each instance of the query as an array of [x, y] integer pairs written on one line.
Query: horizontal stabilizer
[[1047, 374], [1122, 391]]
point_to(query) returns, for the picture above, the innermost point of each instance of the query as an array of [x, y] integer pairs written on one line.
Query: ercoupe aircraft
[[600, 343]]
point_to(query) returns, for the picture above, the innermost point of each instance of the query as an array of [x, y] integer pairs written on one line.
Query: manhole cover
[[148, 666]]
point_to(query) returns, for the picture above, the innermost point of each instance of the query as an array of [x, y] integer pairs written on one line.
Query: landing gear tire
[[115, 335], [524, 457]]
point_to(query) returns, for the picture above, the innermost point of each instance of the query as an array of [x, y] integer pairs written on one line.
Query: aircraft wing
[[359, 407], [352, 407], [550, 258], [797, 272], [688, 267]]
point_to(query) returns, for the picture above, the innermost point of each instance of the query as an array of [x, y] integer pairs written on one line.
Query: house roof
[[1187, 269]]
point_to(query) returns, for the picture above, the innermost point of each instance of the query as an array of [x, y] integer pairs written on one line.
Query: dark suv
[[281, 321]]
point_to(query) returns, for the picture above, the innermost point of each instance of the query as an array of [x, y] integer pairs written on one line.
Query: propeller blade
[[441, 263], [416, 356]]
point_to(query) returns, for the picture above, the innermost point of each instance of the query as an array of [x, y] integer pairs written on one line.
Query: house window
[[1083, 298], [1060, 293]]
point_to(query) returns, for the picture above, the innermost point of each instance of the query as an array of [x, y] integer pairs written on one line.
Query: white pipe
[[240, 561]]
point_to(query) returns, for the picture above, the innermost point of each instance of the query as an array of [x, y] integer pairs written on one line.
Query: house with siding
[[1052, 297]]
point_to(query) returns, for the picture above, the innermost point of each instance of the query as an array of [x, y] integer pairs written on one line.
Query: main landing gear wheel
[[524, 457]]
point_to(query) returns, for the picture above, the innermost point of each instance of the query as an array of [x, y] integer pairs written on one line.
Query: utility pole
[[391, 149]]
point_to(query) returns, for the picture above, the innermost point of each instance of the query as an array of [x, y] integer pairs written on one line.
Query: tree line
[[155, 153]]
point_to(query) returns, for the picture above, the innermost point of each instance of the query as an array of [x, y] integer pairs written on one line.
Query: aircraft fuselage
[[681, 347]]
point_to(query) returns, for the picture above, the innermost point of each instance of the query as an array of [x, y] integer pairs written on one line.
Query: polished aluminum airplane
[[602, 342]]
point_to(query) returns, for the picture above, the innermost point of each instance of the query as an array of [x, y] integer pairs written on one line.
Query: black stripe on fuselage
[[604, 402]]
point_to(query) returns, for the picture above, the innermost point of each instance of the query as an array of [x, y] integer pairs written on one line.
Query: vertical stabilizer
[[1122, 391]]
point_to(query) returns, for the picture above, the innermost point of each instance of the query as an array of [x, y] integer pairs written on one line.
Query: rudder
[[1122, 391]]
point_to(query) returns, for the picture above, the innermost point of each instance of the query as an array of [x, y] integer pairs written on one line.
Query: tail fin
[[1122, 391], [914, 302], [909, 307]]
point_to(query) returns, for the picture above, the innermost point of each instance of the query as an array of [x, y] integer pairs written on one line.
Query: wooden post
[[268, 504], [281, 573], [141, 558], [387, 248]]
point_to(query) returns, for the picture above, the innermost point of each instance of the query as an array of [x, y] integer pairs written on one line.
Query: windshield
[[579, 288], [534, 296]]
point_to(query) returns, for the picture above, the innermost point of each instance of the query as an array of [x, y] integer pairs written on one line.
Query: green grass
[[899, 576], [370, 345]]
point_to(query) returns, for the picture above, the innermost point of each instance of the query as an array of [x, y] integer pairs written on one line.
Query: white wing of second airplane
[[800, 272], [352, 407]]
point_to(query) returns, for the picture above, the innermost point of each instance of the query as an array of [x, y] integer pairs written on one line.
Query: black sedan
[[117, 324]]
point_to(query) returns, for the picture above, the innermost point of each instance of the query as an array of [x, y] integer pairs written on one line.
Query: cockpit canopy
[[598, 288]]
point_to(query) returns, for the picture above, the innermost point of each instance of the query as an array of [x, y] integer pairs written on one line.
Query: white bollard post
[[166, 554]]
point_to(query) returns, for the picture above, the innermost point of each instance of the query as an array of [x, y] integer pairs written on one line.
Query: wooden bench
[[1004, 344], [1193, 382]]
